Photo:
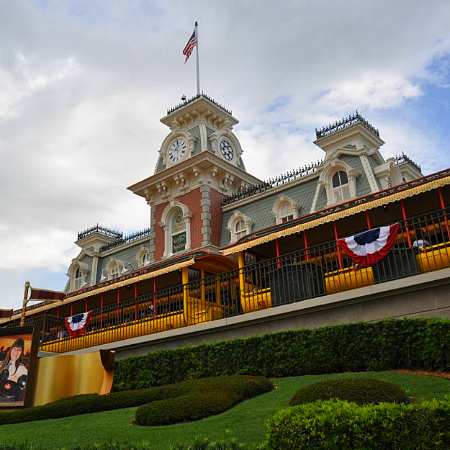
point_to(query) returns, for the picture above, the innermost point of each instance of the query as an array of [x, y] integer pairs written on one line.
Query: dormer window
[[239, 225], [78, 275], [285, 209], [239, 229], [286, 213], [78, 279], [114, 271], [341, 188]]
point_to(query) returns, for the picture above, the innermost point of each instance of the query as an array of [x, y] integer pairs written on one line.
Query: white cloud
[[84, 83], [383, 90]]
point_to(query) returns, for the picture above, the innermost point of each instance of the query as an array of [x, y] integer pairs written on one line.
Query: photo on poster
[[18, 352]]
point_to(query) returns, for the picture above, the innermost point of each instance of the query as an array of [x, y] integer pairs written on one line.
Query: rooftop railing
[[345, 123], [192, 99]]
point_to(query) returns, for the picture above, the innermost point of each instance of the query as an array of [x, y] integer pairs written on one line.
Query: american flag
[[192, 42]]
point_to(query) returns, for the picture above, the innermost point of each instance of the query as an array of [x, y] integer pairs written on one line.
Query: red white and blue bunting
[[77, 324], [371, 246]]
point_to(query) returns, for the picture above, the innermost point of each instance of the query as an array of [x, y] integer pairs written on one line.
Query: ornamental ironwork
[[404, 159], [343, 206], [99, 229], [125, 239], [272, 182], [345, 123], [192, 99]]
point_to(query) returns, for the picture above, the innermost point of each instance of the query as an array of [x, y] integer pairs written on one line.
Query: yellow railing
[[434, 257], [348, 278], [197, 311]]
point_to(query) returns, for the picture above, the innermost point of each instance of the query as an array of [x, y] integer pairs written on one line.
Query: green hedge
[[418, 344], [337, 424], [358, 390], [246, 386], [202, 398]]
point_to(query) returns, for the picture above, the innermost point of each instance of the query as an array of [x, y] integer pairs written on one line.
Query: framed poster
[[18, 358]]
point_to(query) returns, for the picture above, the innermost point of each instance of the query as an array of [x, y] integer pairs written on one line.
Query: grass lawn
[[245, 421]]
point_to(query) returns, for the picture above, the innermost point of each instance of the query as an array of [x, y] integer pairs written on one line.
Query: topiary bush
[[358, 390], [337, 424], [238, 388], [202, 398], [417, 344]]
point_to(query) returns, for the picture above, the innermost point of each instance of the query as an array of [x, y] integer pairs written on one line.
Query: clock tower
[[199, 162]]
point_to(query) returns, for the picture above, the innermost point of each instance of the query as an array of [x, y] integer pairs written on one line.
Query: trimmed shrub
[[417, 344], [357, 390], [336, 424], [202, 398], [239, 388]]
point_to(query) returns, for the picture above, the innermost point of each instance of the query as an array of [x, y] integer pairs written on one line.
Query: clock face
[[177, 150], [227, 150]]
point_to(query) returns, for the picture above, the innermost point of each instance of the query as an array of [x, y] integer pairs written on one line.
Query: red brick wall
[[216, 216], [192, 200]]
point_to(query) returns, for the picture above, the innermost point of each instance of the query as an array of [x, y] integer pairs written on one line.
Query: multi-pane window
[[341, 189], [239, 229], [144, 260], [178, 232], [286, 213], [114, 271], [78, 279]]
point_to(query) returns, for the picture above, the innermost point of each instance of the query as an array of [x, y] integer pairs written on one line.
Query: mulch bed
[[424, 372]]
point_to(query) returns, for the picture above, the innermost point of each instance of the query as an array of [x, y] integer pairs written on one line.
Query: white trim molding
[[233, 221]]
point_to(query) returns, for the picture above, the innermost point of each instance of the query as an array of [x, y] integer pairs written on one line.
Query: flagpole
[[24, 305], [198, 72]]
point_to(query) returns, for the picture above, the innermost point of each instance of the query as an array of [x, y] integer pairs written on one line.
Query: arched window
[[285, 209], [177, 232], [143, 256], [341, 189], [175, 221], [286, 213], [239, 225], [78, 279], [239, 229], [78, 275], [114, 271]]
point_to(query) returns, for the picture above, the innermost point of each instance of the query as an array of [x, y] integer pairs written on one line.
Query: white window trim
[[142, 253], [232, 222], [166, 217], [326, 177], [84, 270], [280, 202], [111, 265]]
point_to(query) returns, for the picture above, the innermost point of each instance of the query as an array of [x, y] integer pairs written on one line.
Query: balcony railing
[[422, 245]]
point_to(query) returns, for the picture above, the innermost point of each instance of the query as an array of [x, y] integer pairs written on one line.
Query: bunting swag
[[371, 246], [77, 324]]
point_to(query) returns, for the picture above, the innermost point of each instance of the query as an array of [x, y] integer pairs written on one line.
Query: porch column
[[185, 281], [277, 248], [408, 237], [305, 242], [154, 297], [101, 308], [241, 263], [203, 287], [336, 237], [136, 309], [118, 301], [369, 225], [441, 200]]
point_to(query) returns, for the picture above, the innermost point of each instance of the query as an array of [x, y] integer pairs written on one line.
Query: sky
[[84, 84]]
